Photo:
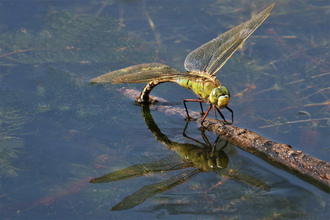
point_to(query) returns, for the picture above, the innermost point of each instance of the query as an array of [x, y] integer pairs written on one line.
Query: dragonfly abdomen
[[144, 96], [202, 88]]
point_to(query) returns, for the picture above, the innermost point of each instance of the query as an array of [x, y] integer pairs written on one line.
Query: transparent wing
[[144, 73], [150, 190], [168, 163], [210, 57]]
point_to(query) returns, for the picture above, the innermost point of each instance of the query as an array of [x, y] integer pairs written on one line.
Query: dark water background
[[58, 131]]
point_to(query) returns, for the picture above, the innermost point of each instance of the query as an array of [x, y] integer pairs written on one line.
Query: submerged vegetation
[[70, 38], [65, 38], [11, 121]]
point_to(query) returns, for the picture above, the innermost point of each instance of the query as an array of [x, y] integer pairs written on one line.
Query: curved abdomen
[[202, 88]]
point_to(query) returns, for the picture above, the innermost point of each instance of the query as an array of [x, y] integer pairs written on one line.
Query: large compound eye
[[216, 92], [224, 91], [215, 95]]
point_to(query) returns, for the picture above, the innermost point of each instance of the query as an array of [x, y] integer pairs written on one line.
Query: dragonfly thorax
[[220, 97]]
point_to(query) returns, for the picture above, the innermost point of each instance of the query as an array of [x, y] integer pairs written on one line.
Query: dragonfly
[[201, 65]]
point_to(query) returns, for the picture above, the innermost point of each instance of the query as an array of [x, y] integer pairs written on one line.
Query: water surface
[[58, 131]]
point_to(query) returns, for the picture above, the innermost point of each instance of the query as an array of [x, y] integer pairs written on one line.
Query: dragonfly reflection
[[201, 158]]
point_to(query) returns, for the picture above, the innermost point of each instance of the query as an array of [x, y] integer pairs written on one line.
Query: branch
[[310, 169]]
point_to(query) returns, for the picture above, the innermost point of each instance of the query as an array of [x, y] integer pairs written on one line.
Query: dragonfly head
[[220, 97]]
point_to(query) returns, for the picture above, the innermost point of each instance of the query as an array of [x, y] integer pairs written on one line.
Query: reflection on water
[[202, 158], [58, 132]]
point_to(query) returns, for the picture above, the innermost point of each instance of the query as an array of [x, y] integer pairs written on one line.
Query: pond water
[[60, 134]]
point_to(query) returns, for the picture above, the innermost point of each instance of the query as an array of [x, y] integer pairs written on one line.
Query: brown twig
[[310, 169], [14, 52]]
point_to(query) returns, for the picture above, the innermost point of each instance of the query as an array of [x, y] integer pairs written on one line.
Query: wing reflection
[[203, 157]]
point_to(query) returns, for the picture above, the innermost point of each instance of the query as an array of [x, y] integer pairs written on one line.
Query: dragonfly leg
[[215, 115], [223, 117], [184, 130], [185, 107], [202, 113], [214, 145], [207, 112], [206, 140], [232, 114], [191, 100], [186, 136]]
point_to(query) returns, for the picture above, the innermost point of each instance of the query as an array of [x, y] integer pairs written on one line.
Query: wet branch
[[308, 168]]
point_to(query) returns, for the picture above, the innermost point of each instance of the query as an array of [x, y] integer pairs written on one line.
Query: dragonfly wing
[[150, 190], [168, 163], [143, 73], [210, 57]]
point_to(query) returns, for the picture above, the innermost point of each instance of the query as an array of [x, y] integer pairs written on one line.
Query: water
[[58, 131]]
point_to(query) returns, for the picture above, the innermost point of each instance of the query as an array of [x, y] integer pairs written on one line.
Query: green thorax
[[208, 89], [202, 87]]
